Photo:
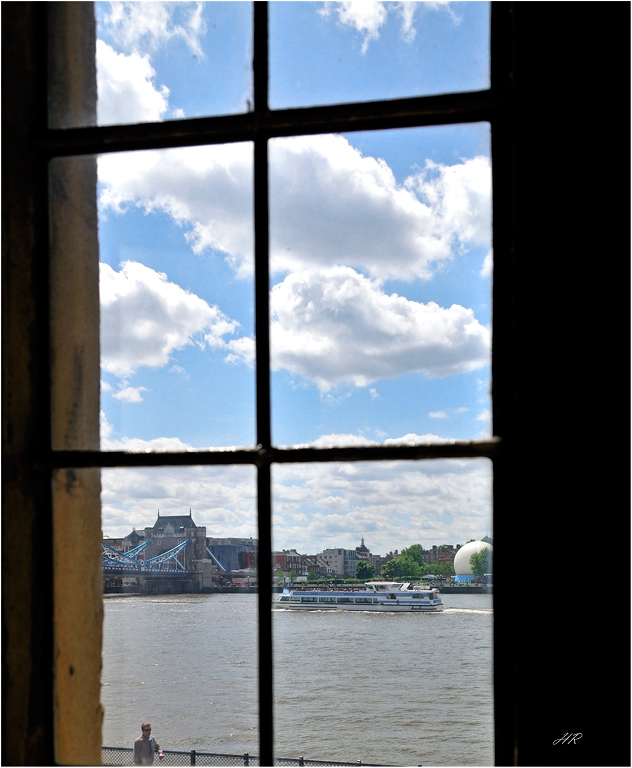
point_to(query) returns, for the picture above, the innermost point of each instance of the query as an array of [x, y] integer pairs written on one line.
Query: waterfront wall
[[461, 590]]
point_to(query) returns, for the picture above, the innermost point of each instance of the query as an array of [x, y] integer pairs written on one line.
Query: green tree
[[402, 567], [293, 575], [415, 551], [364, 570], [481, 562], [312, 576]]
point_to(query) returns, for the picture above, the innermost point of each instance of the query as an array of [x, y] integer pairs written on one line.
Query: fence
[[123, 756]]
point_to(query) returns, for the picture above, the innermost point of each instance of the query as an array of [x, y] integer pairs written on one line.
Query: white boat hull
[[379, 597], [389, 608]]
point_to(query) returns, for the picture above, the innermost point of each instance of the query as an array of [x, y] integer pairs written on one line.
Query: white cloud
[[130, 394], [335, 326], [460, 196], [126, 89], [145, 318], [207, 189], [150, 25], [367, 17], [328, 204], [222, 499], [438, 415], [241, 351], [488, 264], [393, 504]]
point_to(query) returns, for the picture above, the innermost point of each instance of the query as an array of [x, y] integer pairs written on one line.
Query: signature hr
[[568, 738]]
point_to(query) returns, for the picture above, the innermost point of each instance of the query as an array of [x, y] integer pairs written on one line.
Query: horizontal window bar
[[375, 115], [261, 457]]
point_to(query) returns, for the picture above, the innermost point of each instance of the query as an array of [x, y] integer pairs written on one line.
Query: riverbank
[[451, 590]]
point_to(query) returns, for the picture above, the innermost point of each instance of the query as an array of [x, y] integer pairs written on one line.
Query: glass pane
[[165, 60], [381, 286], [332, 52], [176, 289], [180, 629], [383, 685]]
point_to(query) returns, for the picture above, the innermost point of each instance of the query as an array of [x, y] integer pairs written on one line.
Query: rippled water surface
[[391, 689]]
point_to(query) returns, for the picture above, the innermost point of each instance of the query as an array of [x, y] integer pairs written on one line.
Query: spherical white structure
[[462, 565]]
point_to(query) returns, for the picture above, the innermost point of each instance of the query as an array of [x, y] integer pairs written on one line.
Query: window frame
[[259, 126], [561, 154]]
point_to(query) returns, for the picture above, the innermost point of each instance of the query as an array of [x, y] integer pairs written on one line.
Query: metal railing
[[123, 756]]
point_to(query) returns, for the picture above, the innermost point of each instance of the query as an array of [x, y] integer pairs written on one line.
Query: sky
[[380, 263]]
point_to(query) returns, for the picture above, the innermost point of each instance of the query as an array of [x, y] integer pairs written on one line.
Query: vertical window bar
[[503, 365], [262, 288], [262, 339]]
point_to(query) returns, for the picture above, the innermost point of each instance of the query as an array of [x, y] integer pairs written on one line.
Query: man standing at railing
[[145, 746]]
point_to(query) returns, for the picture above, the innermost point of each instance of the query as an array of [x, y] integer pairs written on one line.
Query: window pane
[[381, 286], [176, 286], [380, 687], [163, 61], [179, 650], [327, 53]]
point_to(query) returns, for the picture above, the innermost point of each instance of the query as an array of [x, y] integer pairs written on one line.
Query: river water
[[388, 689]]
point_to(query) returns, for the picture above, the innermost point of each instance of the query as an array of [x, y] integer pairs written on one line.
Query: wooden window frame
[[525, 94]]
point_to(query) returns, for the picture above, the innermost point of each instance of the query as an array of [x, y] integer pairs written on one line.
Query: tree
[[293, 575], [364, 570], [482, 562], [312, 576], [402, 567], [415, 551]]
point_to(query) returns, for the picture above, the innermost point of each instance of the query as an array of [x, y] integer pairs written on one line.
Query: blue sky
[[380, 271]]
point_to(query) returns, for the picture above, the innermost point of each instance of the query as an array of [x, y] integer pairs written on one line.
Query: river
[[388, 689]]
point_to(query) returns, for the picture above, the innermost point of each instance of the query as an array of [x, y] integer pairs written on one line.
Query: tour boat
[[383, 596]]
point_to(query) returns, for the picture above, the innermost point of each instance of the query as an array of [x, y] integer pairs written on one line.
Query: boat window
[[344, 599]]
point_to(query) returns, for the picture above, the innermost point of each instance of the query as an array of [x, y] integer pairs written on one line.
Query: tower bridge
[[173, 555]]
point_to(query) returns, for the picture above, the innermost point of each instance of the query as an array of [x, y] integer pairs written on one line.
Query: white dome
[[462, 565]]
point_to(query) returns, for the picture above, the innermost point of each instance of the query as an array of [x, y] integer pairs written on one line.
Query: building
[[234, 554], [342, 561], [170, 530], [444, 553]]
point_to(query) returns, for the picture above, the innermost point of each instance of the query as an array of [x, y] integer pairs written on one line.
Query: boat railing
[[124, 755]]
